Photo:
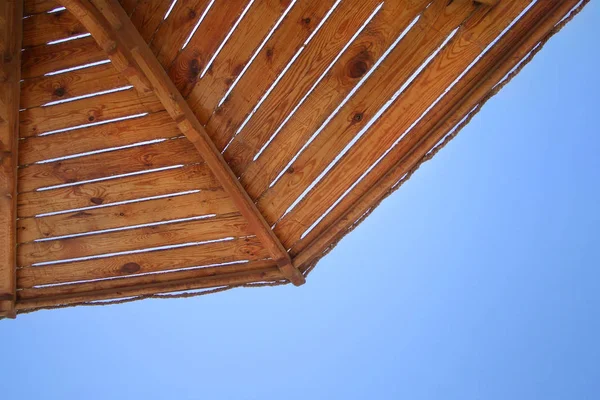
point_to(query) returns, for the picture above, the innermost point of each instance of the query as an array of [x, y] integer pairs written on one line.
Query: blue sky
[[478, 279]]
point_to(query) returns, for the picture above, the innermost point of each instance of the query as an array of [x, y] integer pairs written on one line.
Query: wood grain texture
[[173, 32], [35, 121], [116, 190], [40, 60], [148, 15], [11, 27], [230, 62], [132, 239], [436, 23], [310, 65], [271, 274], [206, 202], [433, 80], [286, 41], [441, 120], [40, 29], [129, 53], [206, 275], [177, 151], [140, 263], [31, 7], [39, 91], [352, 66], [190, 62], [122, 133]]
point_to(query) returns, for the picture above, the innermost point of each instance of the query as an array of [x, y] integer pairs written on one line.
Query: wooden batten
[[11, 28], [115, 33]]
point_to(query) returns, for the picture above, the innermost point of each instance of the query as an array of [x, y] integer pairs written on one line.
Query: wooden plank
[[171, 35], [115, 32], [458, 103], [287, 40], [436, 23], [345, 21], [122, 133], [205, 274], [35, 121], [40, 29], [11, 16], [95, 166], [31, 7], [352, 66], [116, 190], [40, 60], [205, 202], [236, 53], [483, 29], [132, 239], [219, 281], [148, 15], [190, 62], [44, 89], [248, 248]]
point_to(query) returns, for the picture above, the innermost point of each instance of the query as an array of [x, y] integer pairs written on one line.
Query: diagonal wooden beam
[[115, 33], [11, 36]]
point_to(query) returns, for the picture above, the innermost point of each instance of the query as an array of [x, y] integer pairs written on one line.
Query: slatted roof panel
[[320, 109]]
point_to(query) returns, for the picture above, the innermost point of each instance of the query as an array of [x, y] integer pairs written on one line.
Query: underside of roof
[[160, 148]]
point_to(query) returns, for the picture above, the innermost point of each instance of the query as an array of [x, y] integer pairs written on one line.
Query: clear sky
[[478, 279]]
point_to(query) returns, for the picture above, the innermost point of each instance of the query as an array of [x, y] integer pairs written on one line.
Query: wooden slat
[[125, 161], [257, 23], [157, 280], [190, 62], [169, 38], [352, 66], [461, 100], [140, 263], [11, 16], [286, 41], [271, 274], [31, 7], [206, 202], [116, 190], [358, 59], [148, 15], [436, 23], [152, 126], [38, 91], [114, 32], [35, 121], [40, 29], [310, 65], [482, 29], [40, 60], [132, 239]]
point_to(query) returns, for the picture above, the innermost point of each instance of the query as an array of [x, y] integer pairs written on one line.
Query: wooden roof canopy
[[159, 146]]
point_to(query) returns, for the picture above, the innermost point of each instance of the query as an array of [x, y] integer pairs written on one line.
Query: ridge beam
[[114, 32]]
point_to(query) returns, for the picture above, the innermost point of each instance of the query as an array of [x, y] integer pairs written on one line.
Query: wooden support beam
[[11, 36], [115, 33]]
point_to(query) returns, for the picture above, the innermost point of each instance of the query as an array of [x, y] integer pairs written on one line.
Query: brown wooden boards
[[11, 26], [139, 263], [176, 233], [96, 218], [116, 34], [186, 145]]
